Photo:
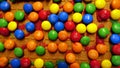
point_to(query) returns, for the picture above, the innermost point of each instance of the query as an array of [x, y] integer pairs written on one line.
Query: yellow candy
[[100, 4], [106, 64], [38, 63], [54, 8], [77, 17], [92, 28], [81, 28], [46, 25], [12, 26], [115, 14]]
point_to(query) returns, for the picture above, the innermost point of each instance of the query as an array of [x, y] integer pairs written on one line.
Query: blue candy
[[59, 26], [78, 0], [4, 6], [62, 64], [115, 39], [28, 8], [15, 63], [19, 34], [87, 18], [53, 18], [30, 27], [63, 16]]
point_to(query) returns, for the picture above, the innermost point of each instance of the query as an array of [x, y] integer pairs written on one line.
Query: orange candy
[[62, 47], [70, 58], [38, 35], [75, 65], [115, 4], [9, 16], [77, 47], [63, 35], [68, 7], [37, 6], [9, 44], [52, 47], [93, 54], [101, 48], [3, 61], [31, 45], [33, 16]]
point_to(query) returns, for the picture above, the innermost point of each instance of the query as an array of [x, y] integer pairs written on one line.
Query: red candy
[[25, 62], [95, 64], [75, 36], [116, 49], [43, 14], [4, 31], [38, 25], [69, 25]]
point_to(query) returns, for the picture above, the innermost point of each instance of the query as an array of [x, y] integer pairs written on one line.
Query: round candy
[[75, 65], [116, 49], [19, 15], [63, 16], [59, 26], [12, 26], [54, 8], [15, 63], [53, 18], [4, 6], [69, 25], [115, 60], [68, 7], [115, 14], [115, 4], [4, 62], [85, 40], [18, 52], [84, 65], [9, 16], [78, 0], [78, 7], [49, 64], [43, 15], [46, 25], [31, 45], [62, 47], [87, 18], [25, 62], [103, 32], [90, 8], [77, 17], [1, 47], [38, 35], [62, 64], [38, 63], [52, 47], [75, 36], [4, 31], [106, 64], [70, 58], [9, 44], [101, 48], [95, 64], [92, 28], [81, 28], [116, 28], [28, 8], [63, 35], [3, 23], [100, 4], [33, 16], [40, 50], [56, 1], [77, 47], [37, 6], [19, 34], [115, 39], [30, 27], [52, 35], [93, 54]]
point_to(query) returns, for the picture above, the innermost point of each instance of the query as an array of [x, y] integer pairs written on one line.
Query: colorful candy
[[100, 4], [19, 34], [9, 44], [15, 63], [84, 65], [37, 6], [43, 15], [54, 8], [106, 63], [30, 27], [116, 28], [77, 17], [1, 47], [49, 64], [31, 45], [95, 64], [52, 47], [62, 64], [40, 50], [68, 7], [85, 40], [69, 25], [52, 35], [75, 65], [115, 4], [53, 18], [4, 6], [101, 48], [115, 14], [116, 49], [63, 35], [4, 62], [38, 63], [78, 7], [70, 58], [62, 47], [9, 16], [59, 26], [12, 26], [46, 25], [28, 8], [93, 54], [87, 18], [33, 16], [115, 60], [63, 16], [115, 39], [90, 8], [25, 62], [56, 1], [19, 15], [92, 28], [103, 32], [75, 36], [3, 23], [4, 31], [38, 35], [77, 47], [18, 52], [81, 28]]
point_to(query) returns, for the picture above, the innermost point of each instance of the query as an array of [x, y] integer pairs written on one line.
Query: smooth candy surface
[[53, 18], [59, 26], [12, 26], [19, 34], [3, 23], [25, 62], [90, 8], [85, 40], [46, 25], [4, 6], [106, 64], [30, 27], [28, 8], [115, 14], [84, 65], [18, 52], [78, 7], [19, 15], [63, 16], [1, 47], [115, 60], [116, 28], [81, 28], [52, 35], [38, 63], [40, 50], [15, 63], [49, 64], [103, 32], [62, 64], [54, 8], [115, 39], [87, 18], [77, 17]]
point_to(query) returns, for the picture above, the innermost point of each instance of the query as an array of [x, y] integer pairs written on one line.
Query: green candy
[[40, 50], [49, 64], [1, 47], [84, 65], [3, 23], [85, 40], [18, 52], [116, 28], [90, 8], [78, 7], [103, 32], [116, 60], [19, 15], [52, 35], [56, 1]]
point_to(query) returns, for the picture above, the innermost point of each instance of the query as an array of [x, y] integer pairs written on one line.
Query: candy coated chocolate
[[19, 34], [62, 64], [116, 27], [115, 39], [90, 8], [85, 40], [63, 16], [19, 15], [15, 63], [115, 60], [49, 64], [69, 25], [87, 18], [3, 23], [116, 49], [78, 7], [4, 6], [30, 27], [95, 64], [84, 65], [28, 8], [103, 32], [4, 31], [52, 35], [75, 36], [25, 62], [18, 52], [53, 18], [43, 14], [40, 50], [59, 26], [1, 47]]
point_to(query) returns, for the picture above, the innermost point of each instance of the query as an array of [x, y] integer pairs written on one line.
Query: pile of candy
[[58, 26]]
